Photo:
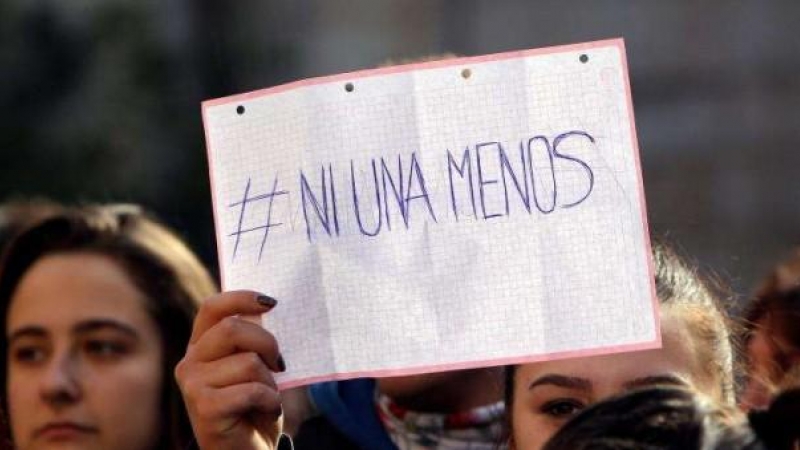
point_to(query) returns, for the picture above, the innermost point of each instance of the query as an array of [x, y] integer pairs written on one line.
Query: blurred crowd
[[116, 336]]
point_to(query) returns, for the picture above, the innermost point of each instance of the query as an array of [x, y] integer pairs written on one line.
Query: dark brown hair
[[18, 214], [158, 263], [671, 418], [5, 442], [775, 308]]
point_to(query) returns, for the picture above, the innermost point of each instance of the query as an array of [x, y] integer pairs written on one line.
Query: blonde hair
[[680, 288]]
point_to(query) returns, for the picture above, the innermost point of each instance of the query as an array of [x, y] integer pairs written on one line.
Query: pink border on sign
[[349, 76], [472, 364], [217, 225], [619, 43]]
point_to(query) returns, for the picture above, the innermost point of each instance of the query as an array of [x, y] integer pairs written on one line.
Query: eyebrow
[[561, 381], [668, 379], [87, 326], [29, 331]]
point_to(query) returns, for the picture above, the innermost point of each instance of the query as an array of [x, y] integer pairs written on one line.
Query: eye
[[562, 408], [105, 349], [29, 354]]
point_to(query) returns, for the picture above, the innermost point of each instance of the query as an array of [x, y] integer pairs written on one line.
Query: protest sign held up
[[452, 214]]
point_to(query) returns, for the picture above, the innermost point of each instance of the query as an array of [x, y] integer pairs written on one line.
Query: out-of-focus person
[[97, 308], [772, 333]]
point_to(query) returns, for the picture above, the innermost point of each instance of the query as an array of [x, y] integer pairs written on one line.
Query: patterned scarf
[[477, 429]]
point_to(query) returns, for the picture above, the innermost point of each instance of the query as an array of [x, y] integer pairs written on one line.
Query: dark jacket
[[347, 420]]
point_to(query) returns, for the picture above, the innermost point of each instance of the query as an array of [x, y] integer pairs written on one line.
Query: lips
[[59, 431]]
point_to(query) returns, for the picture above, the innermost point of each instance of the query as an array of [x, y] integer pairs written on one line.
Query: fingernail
[[266, 301], [281, 363]]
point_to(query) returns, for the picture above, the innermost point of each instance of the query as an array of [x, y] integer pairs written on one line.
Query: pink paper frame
[[619, 43]]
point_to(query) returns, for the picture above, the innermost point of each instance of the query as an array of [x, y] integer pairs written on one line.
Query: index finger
[[230, 303]]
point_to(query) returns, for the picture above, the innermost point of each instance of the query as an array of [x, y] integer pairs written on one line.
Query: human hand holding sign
[[226, 375]]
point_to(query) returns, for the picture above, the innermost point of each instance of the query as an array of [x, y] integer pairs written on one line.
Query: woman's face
[[84, 359], [547, 394]]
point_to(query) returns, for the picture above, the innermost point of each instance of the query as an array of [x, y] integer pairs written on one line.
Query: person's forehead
[[61, 290], [674, 357], [617, 368]]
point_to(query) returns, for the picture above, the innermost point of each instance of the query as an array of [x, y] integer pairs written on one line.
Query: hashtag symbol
[[265, 226]]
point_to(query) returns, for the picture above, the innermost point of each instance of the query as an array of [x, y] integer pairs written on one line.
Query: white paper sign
[[445, 215]]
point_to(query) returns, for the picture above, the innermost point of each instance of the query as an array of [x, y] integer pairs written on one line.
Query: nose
[[60, 384]]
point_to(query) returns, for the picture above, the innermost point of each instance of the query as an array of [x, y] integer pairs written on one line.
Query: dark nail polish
[[267, 301], [281, 363]]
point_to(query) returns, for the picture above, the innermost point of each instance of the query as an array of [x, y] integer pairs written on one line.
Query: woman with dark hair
[[672, 418], [772, 338], [97, 309]]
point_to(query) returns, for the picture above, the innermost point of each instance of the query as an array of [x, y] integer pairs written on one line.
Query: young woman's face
[[547, 394], [84, 358]]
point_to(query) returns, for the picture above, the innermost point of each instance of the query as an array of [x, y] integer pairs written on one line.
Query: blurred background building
[[100, 100]]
